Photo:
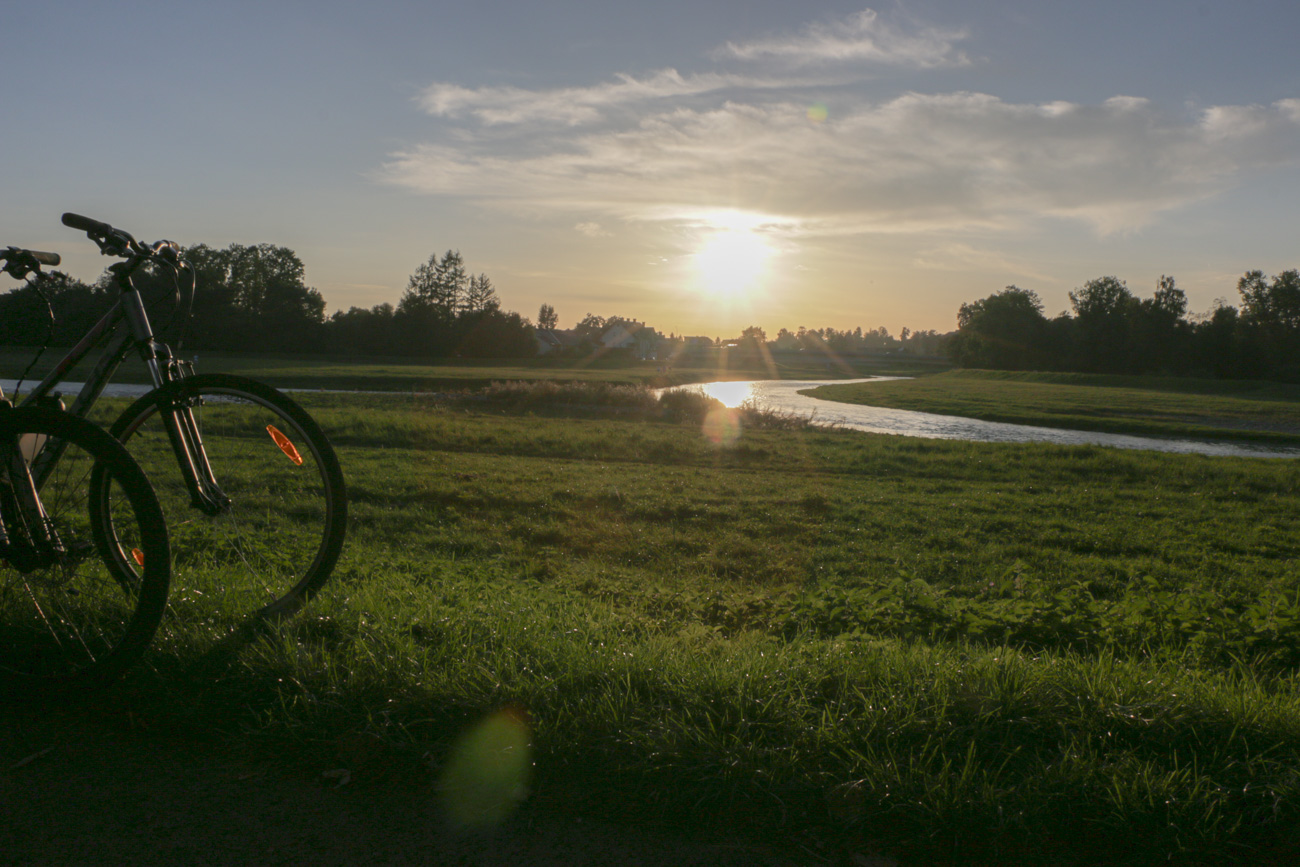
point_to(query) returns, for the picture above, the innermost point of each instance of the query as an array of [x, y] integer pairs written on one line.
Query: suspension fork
[[186, 438], [177, 414]]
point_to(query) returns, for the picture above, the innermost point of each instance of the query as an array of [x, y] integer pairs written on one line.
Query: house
[[636, 337], [551, 340]]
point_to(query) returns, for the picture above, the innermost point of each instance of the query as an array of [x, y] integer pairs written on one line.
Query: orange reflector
[[138, 556], [285, 446]]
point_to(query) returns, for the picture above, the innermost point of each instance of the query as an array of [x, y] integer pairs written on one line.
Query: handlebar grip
[[87, 225], [50, 259]]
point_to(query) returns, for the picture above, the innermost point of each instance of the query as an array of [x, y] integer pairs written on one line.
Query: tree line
[[255, 298], [1110, 330]]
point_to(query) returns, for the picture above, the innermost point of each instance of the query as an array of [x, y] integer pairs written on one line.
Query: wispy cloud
[[592, 230], [579, 105], [917, 162], [862, 37]]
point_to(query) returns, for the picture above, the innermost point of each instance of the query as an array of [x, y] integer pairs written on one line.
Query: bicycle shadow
[[223, 653]]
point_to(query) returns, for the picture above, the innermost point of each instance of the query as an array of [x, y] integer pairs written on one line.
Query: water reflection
[[783, 396], [69, 389]]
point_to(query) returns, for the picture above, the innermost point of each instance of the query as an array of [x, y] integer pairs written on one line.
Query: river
[[783, 396]]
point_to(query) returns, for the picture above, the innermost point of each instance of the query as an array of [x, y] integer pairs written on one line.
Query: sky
[[700, 166]]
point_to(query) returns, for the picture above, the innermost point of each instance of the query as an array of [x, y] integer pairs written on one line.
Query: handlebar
[[118, 242], [87, 225], [19, 262]]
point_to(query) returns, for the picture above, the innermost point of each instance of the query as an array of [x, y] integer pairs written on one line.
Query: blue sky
[[701, 166]]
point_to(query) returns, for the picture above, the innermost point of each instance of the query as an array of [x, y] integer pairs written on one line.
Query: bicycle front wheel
[[279, 531], [67, 615]]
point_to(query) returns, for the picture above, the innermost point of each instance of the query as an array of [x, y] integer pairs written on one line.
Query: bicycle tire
[[71, 620], [281, 537]]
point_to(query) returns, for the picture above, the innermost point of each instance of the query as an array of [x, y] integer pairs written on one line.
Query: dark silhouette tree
[[546, 317], [1003, 331], [253, 297], [1101, 309], [479, 295]]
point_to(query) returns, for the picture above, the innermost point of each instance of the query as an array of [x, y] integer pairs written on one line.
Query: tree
[[546, 317], [1102, 308], [1215, 342], [1003, 331], [437, 286], [490, 333], [26, 311], [361, 331], [1270, 317], [591, 327], [425, 322], [1158, 336], [253, 296], [1274, 304], [479, 295], [1169, 300]]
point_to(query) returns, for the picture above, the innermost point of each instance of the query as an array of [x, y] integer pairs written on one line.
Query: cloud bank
[[668, 144]]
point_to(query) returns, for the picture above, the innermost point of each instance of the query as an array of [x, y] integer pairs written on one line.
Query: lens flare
[[722, 427], [488, 770], [817, 113]]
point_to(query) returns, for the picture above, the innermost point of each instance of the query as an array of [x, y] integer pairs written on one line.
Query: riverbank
[[1247, 411]]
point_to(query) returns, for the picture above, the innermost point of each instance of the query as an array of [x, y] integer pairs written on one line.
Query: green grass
[[942, 650], [1151, 406], [322, 372]]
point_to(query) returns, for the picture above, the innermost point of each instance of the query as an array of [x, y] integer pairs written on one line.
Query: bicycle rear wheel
[[67, 616], [280, 532]]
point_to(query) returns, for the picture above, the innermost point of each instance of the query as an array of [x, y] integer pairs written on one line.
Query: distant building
[[550, 340], [638, 338]]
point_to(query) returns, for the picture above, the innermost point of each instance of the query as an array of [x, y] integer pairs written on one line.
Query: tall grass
[[944, 651]]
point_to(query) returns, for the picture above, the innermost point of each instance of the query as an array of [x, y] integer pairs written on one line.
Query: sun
[[731, 261]]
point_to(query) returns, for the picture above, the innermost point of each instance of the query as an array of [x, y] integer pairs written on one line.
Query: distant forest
[[1110, 330], [254, 299]]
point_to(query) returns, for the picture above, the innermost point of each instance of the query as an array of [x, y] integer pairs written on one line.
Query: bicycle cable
[[19, 263]]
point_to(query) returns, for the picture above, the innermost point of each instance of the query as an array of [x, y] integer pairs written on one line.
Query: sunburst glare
[[732, 258]]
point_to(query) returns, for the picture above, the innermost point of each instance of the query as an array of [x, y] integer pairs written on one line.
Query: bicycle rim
[[282, 532], [69, 617]]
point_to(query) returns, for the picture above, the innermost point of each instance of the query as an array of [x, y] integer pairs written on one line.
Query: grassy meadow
[[444, 375], [1147, 406], [835, 642], [942, 651]]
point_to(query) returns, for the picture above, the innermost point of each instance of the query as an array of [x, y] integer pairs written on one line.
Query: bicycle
[[251, 488], [68, 616]]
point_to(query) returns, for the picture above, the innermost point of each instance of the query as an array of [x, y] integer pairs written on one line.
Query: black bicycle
[[251, 488], [73, 506]]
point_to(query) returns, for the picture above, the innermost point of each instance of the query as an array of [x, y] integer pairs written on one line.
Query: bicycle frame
[[37, 544], [125, 327]]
